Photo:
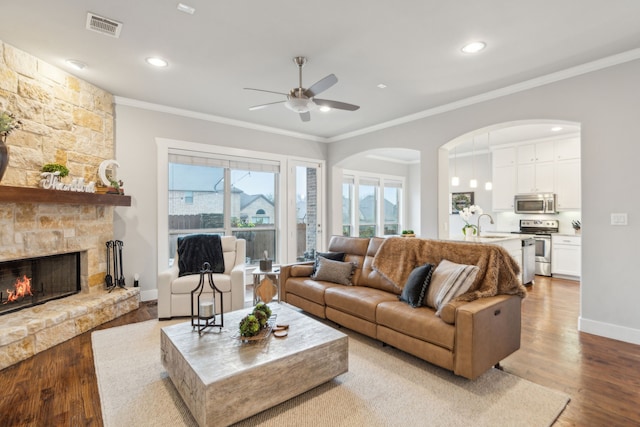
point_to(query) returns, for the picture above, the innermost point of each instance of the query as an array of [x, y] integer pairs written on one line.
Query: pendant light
[[473, 183], [488, 185], [455, 179]]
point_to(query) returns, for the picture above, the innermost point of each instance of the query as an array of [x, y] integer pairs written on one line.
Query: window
[[378, 202], [368, 207], [391, 207], [347, 205], [223, 195]]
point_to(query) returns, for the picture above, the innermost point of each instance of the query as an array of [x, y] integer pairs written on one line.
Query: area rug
[[384, 387]]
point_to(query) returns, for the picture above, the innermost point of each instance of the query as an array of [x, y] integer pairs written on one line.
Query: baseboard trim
[[149, 295], [609, 330]]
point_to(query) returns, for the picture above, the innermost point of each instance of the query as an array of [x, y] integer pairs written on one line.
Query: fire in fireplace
[[28, 282]]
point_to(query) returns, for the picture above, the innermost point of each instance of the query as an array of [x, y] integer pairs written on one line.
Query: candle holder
[[203, 307]]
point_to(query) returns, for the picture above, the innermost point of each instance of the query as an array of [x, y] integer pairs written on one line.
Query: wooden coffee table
[[224, 380]]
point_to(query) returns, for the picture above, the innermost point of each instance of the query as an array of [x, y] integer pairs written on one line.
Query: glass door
[[305, 211]]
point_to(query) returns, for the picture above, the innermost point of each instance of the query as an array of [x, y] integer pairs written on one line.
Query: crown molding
[[119, 100], [568, 73]]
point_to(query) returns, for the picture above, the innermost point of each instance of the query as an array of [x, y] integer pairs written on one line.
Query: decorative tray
[[264, 332]]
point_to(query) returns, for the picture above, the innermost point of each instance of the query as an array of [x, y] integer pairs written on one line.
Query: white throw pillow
[[449, 280]]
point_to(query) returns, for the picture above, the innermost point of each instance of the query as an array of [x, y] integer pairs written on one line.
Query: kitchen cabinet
[[536, 178], [567, 149], [535, 153], [535, 168], [566, 256], [504, 188], [503, 157], [568, 185]]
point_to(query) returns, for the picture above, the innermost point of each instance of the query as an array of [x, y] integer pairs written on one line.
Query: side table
[[266, 284]]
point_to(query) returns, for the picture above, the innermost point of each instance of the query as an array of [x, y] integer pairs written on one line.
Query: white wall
[[136, 133], [606, 104]]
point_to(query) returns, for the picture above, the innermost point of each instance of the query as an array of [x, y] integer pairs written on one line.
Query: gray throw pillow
[[334, 271]]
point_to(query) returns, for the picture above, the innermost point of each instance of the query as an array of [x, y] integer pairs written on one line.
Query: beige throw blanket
[[498, 273]]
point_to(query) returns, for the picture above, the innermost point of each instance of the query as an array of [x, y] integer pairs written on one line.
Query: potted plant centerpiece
[[470, 230], [408, 233]]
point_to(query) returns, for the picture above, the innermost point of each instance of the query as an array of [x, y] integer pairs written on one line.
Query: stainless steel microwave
[[535, 203]]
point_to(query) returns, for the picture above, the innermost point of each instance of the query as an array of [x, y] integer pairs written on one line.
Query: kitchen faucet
[[479, 221]]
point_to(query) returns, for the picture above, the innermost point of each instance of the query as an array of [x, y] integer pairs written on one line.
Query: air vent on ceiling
[[103, 25]]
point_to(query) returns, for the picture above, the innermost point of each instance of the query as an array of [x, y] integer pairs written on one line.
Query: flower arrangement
[[466, 214]]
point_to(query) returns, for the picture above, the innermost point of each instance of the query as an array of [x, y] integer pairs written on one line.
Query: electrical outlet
[[618, 219]]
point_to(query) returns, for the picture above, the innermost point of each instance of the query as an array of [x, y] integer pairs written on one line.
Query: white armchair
[[174, 293]]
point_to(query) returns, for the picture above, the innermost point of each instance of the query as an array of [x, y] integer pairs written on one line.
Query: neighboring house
[[195, 190]]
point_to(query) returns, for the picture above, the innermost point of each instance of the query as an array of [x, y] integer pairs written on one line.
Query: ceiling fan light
[[299, 105], [324, 108]]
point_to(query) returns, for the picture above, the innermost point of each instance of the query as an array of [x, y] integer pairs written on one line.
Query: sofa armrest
[[292, 270], [164, 291], [238, 287], [487, 331]]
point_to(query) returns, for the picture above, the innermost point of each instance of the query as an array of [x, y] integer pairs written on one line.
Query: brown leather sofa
[[468, 338]]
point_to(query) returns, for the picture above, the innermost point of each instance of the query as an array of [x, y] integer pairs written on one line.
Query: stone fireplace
[[68, 121]]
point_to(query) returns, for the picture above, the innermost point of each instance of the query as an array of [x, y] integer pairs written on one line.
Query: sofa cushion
[[196, 249], [448, 281], [308, 289], [415, 289], [335, 256], [420, 323], [358, 301], [334, 271], [370, 277]]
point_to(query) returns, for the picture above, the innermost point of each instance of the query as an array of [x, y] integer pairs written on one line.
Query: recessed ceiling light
[[324, 108], [381, 86], [474, 47], [556, 129], [77, 65], [186, 8], [157, 62]]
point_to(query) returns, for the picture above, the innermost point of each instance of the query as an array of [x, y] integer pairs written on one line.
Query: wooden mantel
[[9, 194]]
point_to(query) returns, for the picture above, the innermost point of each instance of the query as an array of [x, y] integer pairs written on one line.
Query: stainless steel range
[[540, 230]]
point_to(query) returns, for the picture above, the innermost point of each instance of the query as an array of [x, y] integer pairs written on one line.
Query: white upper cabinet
[[534, 153], [504, 157], [504, 188], [543, 167], [568, 185], [567, 149]]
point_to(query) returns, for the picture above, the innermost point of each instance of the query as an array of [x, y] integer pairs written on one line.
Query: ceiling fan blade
[[335, 104], [321, 86], [262, 90], [261, 106], [305, 117]]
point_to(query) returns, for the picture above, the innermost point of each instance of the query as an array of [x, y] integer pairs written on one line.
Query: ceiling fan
[[302, 100]]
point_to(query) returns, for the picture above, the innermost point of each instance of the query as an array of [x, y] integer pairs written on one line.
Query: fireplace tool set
[[114, 251]]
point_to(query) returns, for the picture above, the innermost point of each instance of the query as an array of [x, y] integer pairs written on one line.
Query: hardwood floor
[[602, 376]]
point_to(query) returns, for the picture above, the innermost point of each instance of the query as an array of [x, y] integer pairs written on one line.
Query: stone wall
[[68, 121]]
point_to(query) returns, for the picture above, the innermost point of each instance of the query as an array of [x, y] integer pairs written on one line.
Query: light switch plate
[[618, 219]]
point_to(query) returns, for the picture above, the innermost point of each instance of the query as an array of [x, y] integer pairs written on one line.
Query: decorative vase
[[469, 232], [4, 156]]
